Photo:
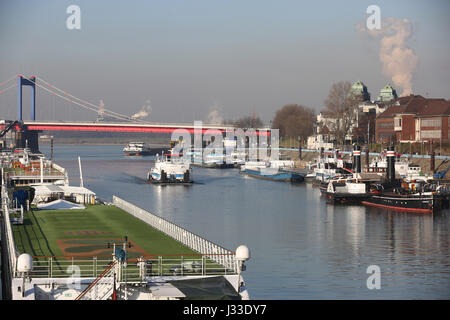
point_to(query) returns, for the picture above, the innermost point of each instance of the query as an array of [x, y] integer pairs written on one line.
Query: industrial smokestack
[[299, 148], [367, 159], [391, 164], [357, 159], [432, 161]]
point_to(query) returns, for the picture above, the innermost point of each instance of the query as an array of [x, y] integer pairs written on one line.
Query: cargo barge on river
[[280, 170]]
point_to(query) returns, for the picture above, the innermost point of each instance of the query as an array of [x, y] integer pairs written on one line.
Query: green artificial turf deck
[[95, 226]]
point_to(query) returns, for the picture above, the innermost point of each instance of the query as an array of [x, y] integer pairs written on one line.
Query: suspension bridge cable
[[96, 108], [6, 81], [6, 89], [71, 101], [83, 101]]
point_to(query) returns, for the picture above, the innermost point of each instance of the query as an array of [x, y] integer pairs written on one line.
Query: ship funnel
[[390, 164], [357, 159]]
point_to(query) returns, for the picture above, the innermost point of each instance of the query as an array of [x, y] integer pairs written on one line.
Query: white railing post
[[160, 265]]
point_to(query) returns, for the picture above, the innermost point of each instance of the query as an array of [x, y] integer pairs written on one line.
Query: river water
[[301, 247]]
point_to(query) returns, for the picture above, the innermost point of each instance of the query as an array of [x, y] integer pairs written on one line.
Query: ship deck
[[59, 238], [87, 232]]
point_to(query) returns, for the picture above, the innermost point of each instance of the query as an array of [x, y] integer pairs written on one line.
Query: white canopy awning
[[59, 205]]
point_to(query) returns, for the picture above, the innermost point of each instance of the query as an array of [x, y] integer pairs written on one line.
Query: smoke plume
[[144, 112], [399, 62], [214, 116]]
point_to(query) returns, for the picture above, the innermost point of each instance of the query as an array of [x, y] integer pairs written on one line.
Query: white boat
[[349, 189], [329, 166], [217, 161], [136, 149], [237, 158], [170, 169]]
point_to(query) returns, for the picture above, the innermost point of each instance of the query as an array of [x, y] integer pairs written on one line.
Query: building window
[[386, 125], [436, 122], [428, 134], [385, 134]]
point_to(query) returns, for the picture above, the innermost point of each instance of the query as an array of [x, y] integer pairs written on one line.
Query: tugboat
[[352, 189], [394, 195], [170, 169]]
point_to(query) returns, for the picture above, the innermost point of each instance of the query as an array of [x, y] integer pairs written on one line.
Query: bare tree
[[294, 121], [246, 122], [342, 108]]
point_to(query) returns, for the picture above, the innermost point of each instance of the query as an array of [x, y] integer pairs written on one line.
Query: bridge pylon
[[21, 81]]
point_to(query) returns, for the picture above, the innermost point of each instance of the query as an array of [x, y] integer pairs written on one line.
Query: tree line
[[299, 121]]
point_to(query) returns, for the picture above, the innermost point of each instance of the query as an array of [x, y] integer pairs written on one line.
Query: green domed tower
[[360, 90], [387, 94]]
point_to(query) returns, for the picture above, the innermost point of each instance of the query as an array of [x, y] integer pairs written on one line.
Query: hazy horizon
[[179, 61]]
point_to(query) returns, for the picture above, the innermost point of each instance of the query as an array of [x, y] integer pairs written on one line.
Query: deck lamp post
[[242, 255], [24, 268]]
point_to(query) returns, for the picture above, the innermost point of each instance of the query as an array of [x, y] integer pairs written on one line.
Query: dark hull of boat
[[219, 165], [151, 152], [408, 203], [170, 182], [282, 176]]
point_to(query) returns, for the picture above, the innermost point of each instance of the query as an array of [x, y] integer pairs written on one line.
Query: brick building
[[414, 118]]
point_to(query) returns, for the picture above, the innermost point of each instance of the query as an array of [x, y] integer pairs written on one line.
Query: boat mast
[[81, 172]]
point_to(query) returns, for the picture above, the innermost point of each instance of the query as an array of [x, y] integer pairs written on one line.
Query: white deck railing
[[10, 246], [136, 270]]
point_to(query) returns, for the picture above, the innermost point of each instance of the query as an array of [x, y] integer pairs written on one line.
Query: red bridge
[[129, 127]]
